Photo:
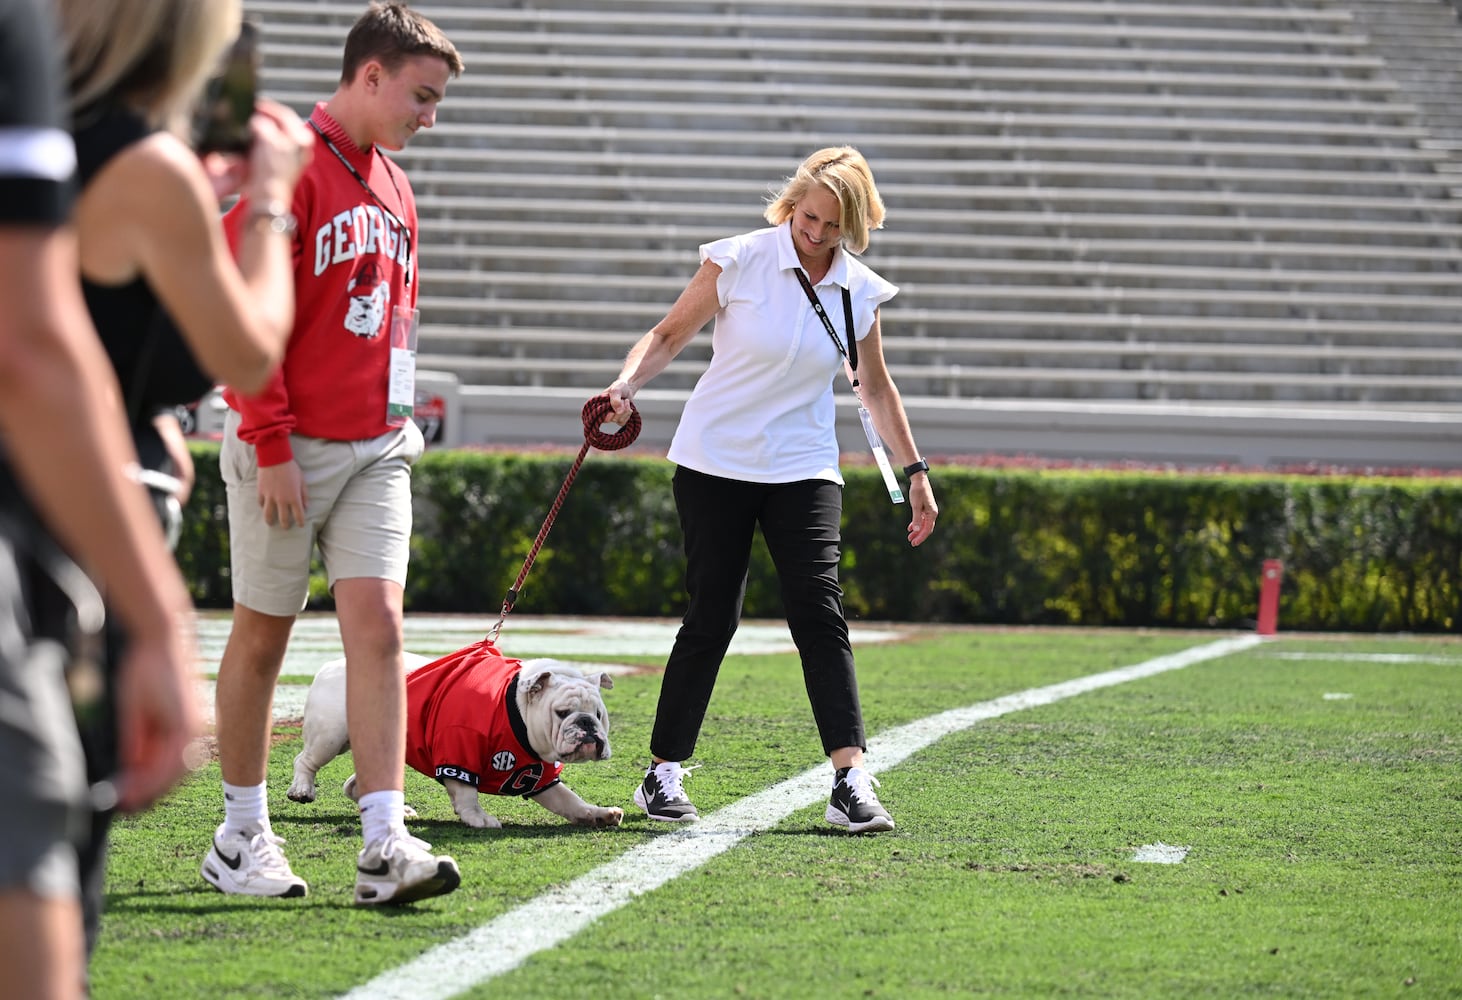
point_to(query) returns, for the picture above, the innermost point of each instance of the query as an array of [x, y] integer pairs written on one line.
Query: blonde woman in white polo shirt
[[756, 446]]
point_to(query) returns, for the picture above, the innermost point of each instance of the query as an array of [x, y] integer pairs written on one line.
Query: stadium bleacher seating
[[1236, 216]]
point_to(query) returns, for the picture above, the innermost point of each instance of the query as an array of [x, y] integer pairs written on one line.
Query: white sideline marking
[[315, 639], [1161, 854], [1450, 661], [561, 912], [1336, 695]]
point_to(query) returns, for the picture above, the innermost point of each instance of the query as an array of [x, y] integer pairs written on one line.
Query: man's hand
[[282, 495]]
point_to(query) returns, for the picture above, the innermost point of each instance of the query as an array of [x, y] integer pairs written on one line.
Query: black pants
[[801, 523]]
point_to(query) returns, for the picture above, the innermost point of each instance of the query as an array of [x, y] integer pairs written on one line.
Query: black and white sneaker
[[662, 794], [400, 868], [855, 805]]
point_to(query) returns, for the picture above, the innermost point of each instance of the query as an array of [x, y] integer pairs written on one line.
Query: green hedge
[[1012, 547]]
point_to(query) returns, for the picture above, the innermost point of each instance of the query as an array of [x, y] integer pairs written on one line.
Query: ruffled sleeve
[[725, 253], [870, 290]]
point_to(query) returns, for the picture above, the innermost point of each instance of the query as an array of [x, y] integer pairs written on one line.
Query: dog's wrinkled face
[[565, 713]]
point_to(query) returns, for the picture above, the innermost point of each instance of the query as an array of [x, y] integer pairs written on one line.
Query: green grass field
[[1319, 794]]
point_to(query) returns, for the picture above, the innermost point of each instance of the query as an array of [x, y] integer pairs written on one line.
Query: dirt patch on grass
[[205, 748]]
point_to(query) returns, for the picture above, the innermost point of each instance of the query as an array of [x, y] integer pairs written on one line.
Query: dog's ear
[[537, 684], [605, 681]]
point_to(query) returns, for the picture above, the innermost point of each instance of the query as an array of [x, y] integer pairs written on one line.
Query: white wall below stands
[[1180, 434], [1183, 434]]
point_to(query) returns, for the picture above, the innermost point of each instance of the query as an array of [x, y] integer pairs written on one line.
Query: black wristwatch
[[920, 466]]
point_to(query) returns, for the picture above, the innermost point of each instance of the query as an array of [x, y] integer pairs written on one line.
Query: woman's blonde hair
[[844, 172], [150, 55]]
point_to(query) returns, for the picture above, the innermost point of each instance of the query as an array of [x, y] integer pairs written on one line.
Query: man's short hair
[[391, 33]]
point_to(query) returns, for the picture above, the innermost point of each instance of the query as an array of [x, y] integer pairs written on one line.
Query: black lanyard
[[851, 354], [400, 223]]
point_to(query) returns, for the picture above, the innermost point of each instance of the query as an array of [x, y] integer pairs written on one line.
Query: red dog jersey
[[462, 721]]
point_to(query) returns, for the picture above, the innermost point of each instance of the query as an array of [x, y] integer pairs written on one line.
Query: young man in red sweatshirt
[[323, 456]]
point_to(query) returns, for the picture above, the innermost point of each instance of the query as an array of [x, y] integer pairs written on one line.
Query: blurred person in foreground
[[793, 305], [68, 468], [323, 455], [174, 310]]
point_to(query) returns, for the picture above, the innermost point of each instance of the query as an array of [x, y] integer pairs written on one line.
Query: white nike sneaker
[[399, 868], [242, 865]]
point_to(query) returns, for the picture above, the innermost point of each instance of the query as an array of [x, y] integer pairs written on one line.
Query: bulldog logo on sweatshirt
[[370, 298]]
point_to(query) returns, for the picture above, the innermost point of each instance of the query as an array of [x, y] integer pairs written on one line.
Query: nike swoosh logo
[[381, 869], [232, 862]]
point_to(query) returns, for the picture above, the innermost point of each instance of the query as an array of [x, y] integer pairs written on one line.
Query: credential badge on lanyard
[[401, 395], [850, 358]]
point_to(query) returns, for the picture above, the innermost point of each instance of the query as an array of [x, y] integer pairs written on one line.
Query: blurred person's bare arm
[[65, 434], [175, 443], [153, 212]]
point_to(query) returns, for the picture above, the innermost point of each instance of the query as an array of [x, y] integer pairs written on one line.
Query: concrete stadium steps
[[1422, 45], [1088, 199]]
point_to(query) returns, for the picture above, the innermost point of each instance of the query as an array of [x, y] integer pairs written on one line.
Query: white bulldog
[[478, 722]]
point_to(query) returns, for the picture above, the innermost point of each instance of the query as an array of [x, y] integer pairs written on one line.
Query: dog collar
[[515, 717]]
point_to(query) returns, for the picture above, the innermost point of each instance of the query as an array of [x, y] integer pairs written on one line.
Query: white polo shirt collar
[[787, 259]]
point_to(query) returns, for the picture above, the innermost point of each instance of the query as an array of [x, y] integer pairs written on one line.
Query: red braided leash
[[596, 413]]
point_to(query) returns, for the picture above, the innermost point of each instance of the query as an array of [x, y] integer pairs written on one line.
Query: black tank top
[[153, 363]]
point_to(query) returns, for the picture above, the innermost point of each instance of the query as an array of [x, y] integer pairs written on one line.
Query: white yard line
[[1448, 661], [556, 916], [315, 639]]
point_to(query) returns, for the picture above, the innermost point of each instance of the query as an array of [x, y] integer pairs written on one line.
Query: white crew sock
[[245, 809], [382, 813]]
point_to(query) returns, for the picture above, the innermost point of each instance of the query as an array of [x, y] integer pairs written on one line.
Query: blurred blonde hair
[[152, 56], [844, 172]]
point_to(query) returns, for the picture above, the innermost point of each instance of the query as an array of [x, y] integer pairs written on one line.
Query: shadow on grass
[[188, 903], [447, 833]]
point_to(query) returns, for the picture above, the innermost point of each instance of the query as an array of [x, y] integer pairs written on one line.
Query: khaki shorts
[[43, 778], [358, 510]]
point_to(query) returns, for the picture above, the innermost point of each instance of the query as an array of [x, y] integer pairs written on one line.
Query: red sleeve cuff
[[274, 449]]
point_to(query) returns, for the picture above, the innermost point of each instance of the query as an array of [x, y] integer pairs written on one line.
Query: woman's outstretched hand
[[925, 511]]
